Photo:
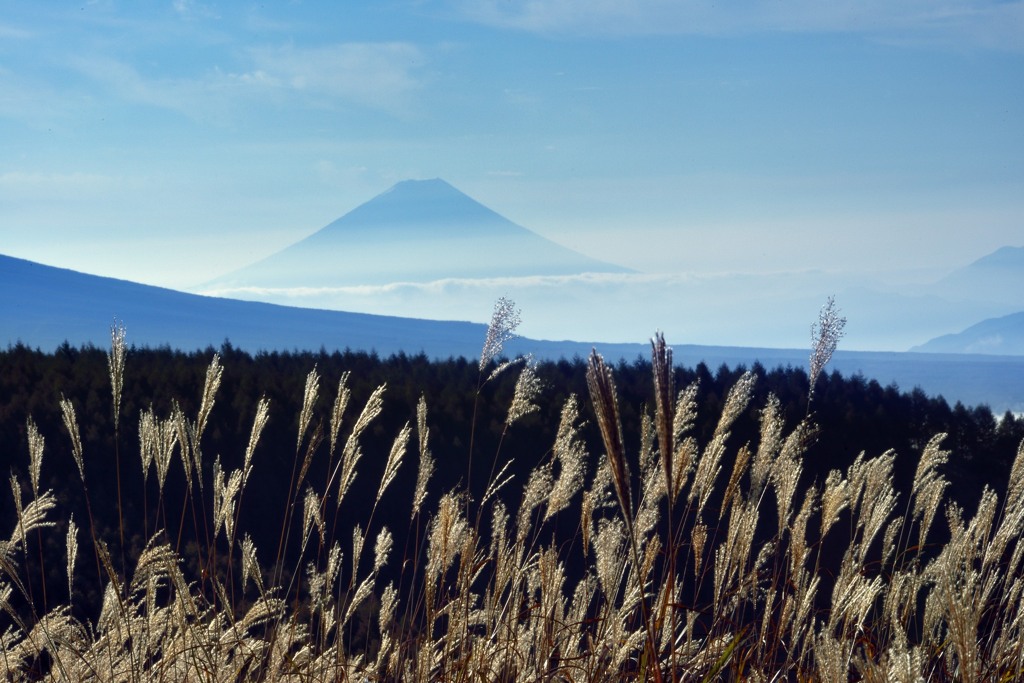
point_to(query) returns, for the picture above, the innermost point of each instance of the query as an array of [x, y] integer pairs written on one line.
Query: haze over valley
[[423, 249], [417, 269]]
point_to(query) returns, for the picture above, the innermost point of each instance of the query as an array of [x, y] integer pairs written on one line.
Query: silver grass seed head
[[698, 538], [889, 539], [570, 453], [538, 489], [334, 559], [373, 407], [664, 395], [825, 336], [388, 603], [311, 514], [258, 423], [156, 560], [363, 591], [651, 552], [732, 489], [115, 364], [926, 504], [834, 499], [190, 453], [502, 328], [394, 461], [36, 443], [608, 545], [426, 463], [1015, 487], [31, 516], [71, 424], [874, 515], [19, 534], [687, 451], [769, 445], [358, 540], [214, 373], [341, 399], [157, 440], [318, 588], [448, 532], [72, 552], [263, 610], [382, 549], [528, 388], [422, 430], [351, 453], [648, 459], [499, 527], [785, 477], [250, 563], [709, 464], [147, 442], [606, 406], [423, 474], [587, 521], [736, 401], [798, 534], [225, 491], [686, 410], [309, 396], [932, 458]]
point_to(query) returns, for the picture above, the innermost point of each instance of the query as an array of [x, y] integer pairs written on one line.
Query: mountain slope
[[996, 277], [1003, 335], [44, 306], [417, 231]]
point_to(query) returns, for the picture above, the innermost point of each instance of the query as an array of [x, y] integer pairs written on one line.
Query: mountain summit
[[997, 277], [417, 231]]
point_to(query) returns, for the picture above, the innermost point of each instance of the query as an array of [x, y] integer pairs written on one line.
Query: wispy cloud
[[380, 75], [606, 306], [554, 282], [333, 175], [192, 9], [375, 75], [8, 32], [126, 83], [987, 23], [22, 185]]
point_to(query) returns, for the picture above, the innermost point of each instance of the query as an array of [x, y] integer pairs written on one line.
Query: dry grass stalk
[[664, 394], [606, 406]]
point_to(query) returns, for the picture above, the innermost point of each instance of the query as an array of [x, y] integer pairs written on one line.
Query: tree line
[[467, 435]]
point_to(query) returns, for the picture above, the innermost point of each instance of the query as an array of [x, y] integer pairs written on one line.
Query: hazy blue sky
[[168, 142]]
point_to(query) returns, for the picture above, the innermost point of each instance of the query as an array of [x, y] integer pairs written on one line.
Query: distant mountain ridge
[[417, 231], [991, 287], [42, 307], [998, 276], [1003, 335]]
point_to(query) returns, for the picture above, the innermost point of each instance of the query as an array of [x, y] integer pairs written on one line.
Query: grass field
[[690, 560]]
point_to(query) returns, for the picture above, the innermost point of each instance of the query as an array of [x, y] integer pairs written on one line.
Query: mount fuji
[[417, 231]]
